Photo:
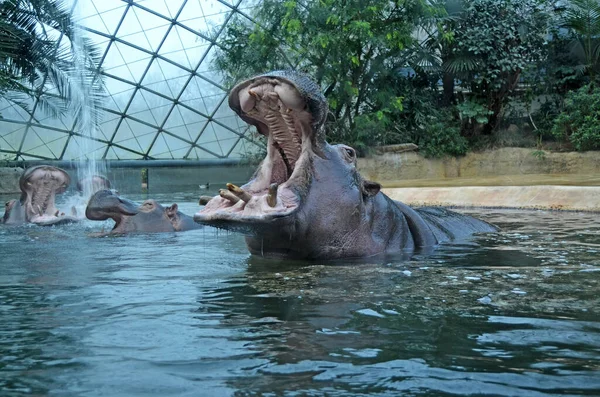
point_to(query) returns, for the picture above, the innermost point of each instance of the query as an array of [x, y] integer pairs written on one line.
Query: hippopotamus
[[307, 199], [131, 217], [39, 186]]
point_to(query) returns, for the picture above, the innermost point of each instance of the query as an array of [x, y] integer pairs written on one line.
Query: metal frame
[[138, 87]]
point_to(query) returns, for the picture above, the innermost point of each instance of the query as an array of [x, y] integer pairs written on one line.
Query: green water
[[193, 314]]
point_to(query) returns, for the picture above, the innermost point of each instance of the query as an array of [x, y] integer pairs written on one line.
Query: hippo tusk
[[56, 213], [226, 194], [239, 192], [73, 211], [272, 195]]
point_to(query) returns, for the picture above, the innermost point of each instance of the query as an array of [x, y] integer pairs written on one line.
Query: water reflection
[[193, 314]]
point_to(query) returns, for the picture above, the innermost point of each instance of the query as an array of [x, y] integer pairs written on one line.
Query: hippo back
[[450, 225]]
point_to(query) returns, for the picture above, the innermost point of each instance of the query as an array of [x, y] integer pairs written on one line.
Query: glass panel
[[158, 6], [112, 18], [103, 6], [166, 144], [11, 135], [35, 142]]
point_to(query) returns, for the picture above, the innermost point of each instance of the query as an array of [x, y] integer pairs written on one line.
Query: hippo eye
[[349, 152]]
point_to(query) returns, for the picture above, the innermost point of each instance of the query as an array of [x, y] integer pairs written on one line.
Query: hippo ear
[[370, 188], [172, 210]]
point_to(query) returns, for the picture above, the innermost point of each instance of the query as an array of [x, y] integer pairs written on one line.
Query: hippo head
[[129, 216], [39, 186], [307, 197], [106, 204], [92, 184], [13, 213]]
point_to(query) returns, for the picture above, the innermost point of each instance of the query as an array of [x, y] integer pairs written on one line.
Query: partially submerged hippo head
[[131, 217], [92, 184], [13, 213], [39, 186], [307, 199]]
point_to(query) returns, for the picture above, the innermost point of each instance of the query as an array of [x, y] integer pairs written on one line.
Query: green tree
[[582, 17], [357, 50], [580, 118], [493, 43], [31, 62]]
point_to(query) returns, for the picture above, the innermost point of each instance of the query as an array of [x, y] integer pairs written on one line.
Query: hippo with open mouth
[[39, 186], [131, 217], [307, 199]]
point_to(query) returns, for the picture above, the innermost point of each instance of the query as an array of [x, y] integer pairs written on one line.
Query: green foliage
[[582, 17], [380, 62], [495, 41], [31, 63], [580, 119], [473, 112], [355, 49], [443, 137]]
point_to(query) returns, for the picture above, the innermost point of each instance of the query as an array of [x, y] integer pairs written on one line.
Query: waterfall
[[84, 108]]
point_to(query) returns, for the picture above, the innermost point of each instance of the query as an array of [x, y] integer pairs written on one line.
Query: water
[[193, 314], [87, 92]]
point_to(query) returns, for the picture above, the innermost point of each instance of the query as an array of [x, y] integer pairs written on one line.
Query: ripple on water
[[511, 314]]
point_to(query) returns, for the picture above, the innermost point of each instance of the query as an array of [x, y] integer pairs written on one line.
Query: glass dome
[[165, 100]]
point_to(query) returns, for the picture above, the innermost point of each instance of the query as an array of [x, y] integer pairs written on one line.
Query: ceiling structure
[[165, 99]]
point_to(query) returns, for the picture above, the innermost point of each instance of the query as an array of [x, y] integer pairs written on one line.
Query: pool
[[193, 314]]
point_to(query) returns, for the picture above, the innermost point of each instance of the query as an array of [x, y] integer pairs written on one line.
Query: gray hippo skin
[[307, 199], [131, 217], [39, 186]]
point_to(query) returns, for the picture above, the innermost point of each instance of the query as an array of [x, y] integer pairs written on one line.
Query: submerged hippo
[[92, 184], [307, 199], [39, 186], [131, 217]]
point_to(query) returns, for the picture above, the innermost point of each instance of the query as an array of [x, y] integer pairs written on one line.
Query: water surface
[[193, 314]]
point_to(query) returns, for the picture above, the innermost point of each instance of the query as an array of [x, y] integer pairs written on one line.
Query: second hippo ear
[[370, 188], [172, 210]]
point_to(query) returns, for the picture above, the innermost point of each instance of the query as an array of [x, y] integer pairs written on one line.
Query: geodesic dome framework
[[165, 101]]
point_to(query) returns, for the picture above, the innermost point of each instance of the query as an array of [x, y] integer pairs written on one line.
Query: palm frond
[[460, 64]]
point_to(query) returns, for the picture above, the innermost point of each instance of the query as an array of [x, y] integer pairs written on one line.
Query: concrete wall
[[398, 167], [160, 179], [9, 180]]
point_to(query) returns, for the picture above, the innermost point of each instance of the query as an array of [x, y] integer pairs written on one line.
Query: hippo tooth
[[272, 195], [73, 211], [56, 213], [226, 194], [247, 100], [238, 191]]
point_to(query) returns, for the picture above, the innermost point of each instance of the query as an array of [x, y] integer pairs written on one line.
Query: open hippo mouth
[[39, 186], [289, 109]]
